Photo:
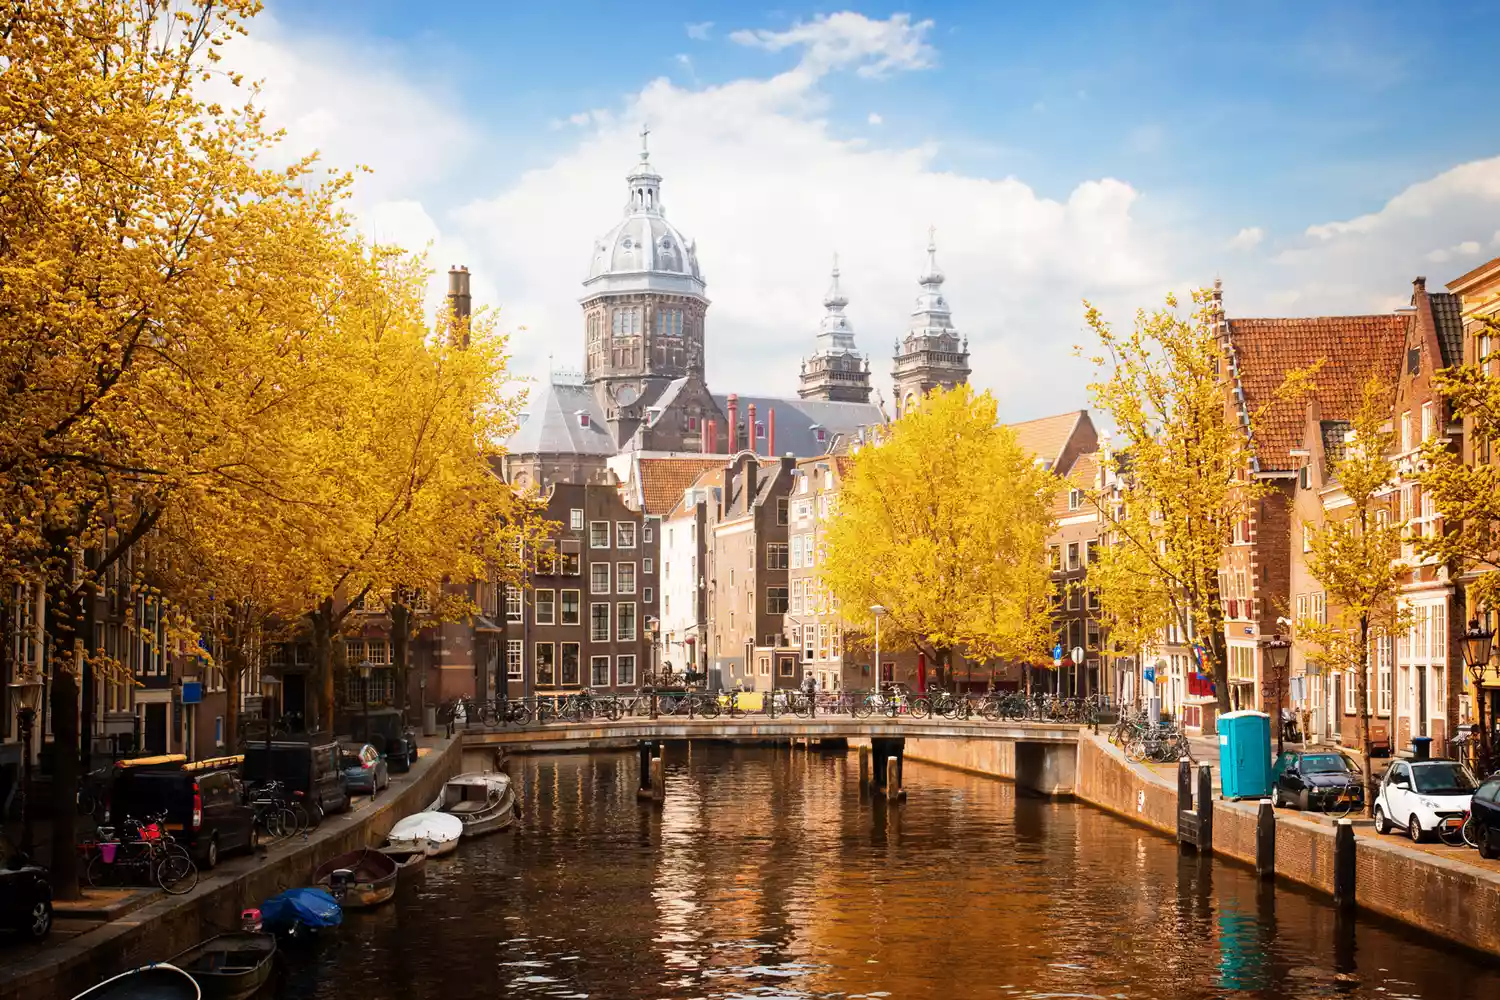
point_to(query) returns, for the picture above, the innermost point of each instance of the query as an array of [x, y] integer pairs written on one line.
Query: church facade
[[642, 389]]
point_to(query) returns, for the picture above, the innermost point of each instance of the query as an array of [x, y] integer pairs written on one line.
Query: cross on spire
[[645, 135], [931, 238]]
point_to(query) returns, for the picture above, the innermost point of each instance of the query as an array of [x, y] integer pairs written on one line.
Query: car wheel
[[38, 921], [1382, 825], [211, 856], [1414, 830], [1486, 841], [1304, 801]]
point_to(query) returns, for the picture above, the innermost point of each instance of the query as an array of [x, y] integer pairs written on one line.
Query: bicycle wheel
[[176, 874], [101, 875], [921, 708], [709, 708], [1135, 750], [1453, 836], [860, 708], [1470, 830], [1340, 806]]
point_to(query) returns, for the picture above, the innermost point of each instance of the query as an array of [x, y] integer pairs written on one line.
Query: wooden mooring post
[[1195, 813], [864, 768], [1265, 840]]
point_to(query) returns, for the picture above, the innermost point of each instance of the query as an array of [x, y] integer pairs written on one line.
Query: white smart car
[[1423, 797]]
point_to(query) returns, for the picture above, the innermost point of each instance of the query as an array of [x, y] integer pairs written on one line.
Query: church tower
[[932, 354], [643, 312], [836, 372]]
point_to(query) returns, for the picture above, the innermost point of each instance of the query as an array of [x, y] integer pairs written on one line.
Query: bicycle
[[1342, 803], [153, 856], [1460, 834]]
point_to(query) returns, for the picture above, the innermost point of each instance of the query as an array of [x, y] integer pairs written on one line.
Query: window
[[599, 622], [1429, 423], [514, 651], [1383, 674], [646, 595], [599, 578], [625, 534], [546, 558], [1072, 555], [1320, 608], [1093, 634], [647, 566], [1436, 706], [572, 608], [1241, 663], [546, 607], [776, 556], [570, 654], [1306, 537], [1075, 499], [354, 651], [545, 664], [1406, 431], [786, 666], [1073, 598], [598, 534], [625, 670], [647, 533], [807, 551], [803, 513], [625, 622], [1093, 602], [776, 600], [575, 519], [624, 578], [1351, 689], [1054, 558], [1439, 633], [1429, 515], [1090, 551], [572, 557], [599, 671], [796, 596], [669, 322], [781, 507], [218, 730]]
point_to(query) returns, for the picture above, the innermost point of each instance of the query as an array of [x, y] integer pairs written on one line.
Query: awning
[[483, 624]]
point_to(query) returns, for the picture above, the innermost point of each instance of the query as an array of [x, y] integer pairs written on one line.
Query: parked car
[[386, 730], [306, 763], [25, 897], [1314, 779], [1422, 796], [365, 770], [204, 802], [1486, 810]]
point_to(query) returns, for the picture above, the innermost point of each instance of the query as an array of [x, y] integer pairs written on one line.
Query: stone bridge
[[1046, 753]]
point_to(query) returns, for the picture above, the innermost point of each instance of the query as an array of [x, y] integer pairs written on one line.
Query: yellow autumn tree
[[943, 523], [1356, 554]]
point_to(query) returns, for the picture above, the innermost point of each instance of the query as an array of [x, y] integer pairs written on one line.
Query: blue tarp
[[309, 907]]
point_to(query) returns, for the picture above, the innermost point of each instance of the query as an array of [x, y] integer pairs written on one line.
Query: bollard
[[1184, 785], [646, 748], [1265, 840], [892, 779], [653, 704], [658, 781], [1205, 808], [1343, 864], [864, 767]]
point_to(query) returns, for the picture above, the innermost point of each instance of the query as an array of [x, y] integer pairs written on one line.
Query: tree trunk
[[322, 656], [63, 706], [1362, 685], [401, 652], [234, 672], [1477, 676]]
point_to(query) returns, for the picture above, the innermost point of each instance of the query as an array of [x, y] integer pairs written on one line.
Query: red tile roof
[[1046, 437], [1351, 349], [664, 479]]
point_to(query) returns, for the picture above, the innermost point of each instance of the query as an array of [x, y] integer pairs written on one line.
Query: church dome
[[644, 252]]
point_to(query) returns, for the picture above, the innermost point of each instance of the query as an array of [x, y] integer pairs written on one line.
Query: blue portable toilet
[[1245, 755]]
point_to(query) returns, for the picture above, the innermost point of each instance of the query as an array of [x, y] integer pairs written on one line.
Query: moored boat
[[483, 800], [150, 982], [433, 833], [301, 914], [230, 966], [409, 864], [358, 879]]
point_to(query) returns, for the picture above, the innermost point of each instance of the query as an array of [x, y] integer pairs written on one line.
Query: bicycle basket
[[107, 852]]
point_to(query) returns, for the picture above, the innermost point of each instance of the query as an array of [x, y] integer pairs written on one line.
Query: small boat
[[433, 833], [150, 982], [409, 864], [301, 914], [483, 800], [358, 879], [230, 966]]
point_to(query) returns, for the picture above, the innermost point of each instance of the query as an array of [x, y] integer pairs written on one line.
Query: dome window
[[627, 243]]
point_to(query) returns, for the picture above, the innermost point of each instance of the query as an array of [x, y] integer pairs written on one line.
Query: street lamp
[[28, 695], [878, 611], [365, 667], [1277, 650], [1478, 644]]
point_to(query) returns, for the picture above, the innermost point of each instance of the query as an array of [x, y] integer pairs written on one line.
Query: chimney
[[752, 466], [770, 430], [750, 432], [707, 444], [458, 290], [734, 422], [1419, 284]]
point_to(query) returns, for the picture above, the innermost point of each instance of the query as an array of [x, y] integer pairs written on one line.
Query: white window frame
[[625, 578], [622, 634], [647, 566], [647, 595], [515, 659], [594, 635], [575, 519], [595, 579], [625, 535], [595, 529], [536, 606], [536, 664], [625, 669], [562, 617], [594, 663]]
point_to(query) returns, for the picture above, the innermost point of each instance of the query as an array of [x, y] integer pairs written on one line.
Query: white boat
[[483, 800], [432, 833]]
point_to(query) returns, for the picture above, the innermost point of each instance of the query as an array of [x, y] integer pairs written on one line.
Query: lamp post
[[28, 695], [879, 612], [365, 669], [1478, 645], [1277, 650]]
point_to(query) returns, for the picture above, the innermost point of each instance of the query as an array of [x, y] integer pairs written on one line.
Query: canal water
[[765, 875]]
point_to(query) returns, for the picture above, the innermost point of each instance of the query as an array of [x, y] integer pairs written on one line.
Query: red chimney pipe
[[750, 432], [771, 431], [734, 422], [710, 437]]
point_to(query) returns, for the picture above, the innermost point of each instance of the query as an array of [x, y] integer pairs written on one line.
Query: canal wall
[[171, 924], [990, 758], [1452, 899]]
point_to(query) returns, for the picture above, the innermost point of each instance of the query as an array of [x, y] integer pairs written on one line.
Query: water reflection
[[766, 875]]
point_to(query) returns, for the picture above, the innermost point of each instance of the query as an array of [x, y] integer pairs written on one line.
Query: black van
[[386, 730], [306, 763], [204, 802]]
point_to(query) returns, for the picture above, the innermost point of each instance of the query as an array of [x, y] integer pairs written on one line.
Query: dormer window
[[583, 418], [627, 243], [760, 429], [820, 434]]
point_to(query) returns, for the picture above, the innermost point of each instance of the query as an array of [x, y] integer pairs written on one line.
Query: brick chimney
[[734, 422], [458, 290], [710, 436], [770, 430], [752, 468], [750, 439]]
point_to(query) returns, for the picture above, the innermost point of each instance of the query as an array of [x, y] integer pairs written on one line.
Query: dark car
[[307, 763], [386, 730], [204, 802], [1316, 779], [25, 896], [1485, 808]]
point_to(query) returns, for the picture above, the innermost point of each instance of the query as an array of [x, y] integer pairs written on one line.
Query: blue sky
[[1142, 146]]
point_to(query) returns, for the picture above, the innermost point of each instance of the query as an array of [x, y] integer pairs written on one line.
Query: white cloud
[[875, 119], [1247, 238], [700, 31], [848, 39]]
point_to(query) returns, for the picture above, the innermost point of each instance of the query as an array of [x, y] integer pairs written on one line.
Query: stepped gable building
[[642, 392]]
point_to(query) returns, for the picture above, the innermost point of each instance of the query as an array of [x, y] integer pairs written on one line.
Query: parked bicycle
[[145, 853]]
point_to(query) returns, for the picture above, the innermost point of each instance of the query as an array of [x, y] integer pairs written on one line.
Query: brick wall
[[995, 758]]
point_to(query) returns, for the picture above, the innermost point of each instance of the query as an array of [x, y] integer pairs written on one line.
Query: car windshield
[[1326, 763], [1446, 778], [348, 760]]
